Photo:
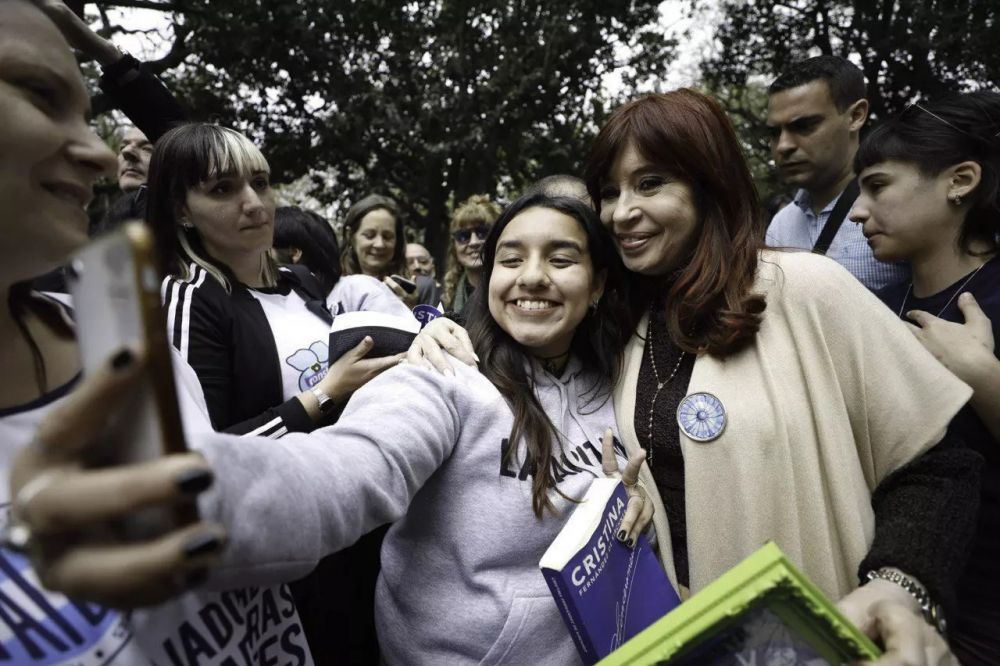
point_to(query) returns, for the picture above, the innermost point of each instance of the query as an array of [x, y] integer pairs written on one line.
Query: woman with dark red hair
[[777, 398]]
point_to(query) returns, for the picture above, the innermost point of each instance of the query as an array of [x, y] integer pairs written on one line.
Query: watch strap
[[326, 403], [932, 611]]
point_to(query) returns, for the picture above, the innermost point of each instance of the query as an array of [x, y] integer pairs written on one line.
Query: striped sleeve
[[200, 328]]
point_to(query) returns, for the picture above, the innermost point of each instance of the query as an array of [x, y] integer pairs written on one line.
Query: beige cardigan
[[834, 394]]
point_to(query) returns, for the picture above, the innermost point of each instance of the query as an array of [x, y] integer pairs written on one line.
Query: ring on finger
[[16, 537]]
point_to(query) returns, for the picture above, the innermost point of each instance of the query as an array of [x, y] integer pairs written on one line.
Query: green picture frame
[[762, 604]]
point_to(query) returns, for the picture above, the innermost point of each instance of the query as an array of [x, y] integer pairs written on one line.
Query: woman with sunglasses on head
[[777, 399], [930, 196], [460, 580], [470, 223], [375, 245]]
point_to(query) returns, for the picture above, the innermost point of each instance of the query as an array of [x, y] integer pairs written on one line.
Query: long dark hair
[[709, 305], [309, 233], [598, 342], [941, 134], [349, 263]]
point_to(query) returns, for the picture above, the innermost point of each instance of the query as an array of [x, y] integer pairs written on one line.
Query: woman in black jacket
[[255, 334]]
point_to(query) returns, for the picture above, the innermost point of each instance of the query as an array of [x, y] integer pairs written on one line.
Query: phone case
[[115, 284]]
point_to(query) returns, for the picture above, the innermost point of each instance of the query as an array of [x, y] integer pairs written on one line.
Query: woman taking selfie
[[459, 584], [930, 196], [777, 399], [256, 335]]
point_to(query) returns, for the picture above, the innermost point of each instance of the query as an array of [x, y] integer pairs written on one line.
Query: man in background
[[815, 112], [419, 261], [133, 160]]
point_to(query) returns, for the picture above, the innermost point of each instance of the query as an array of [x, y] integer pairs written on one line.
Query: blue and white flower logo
[[701, 416], [312, 363]]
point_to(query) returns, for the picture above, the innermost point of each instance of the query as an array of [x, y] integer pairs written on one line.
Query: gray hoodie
[[460, 580]]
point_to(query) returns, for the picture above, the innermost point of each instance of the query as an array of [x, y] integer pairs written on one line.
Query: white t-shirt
[[301, 338], [252, 626], [37, 626]]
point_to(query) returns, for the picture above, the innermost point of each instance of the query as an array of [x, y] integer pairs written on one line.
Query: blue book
[[607, 592]]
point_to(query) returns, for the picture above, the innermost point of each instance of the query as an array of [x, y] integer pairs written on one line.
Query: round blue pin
[[701, 416]]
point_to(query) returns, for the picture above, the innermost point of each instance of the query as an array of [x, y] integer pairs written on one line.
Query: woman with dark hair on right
[[930, 196]]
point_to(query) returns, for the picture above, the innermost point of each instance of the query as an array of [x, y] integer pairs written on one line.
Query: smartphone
[[409, 286], [115, 285]]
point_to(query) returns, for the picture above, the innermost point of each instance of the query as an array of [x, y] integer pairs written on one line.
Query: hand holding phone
[[407, 285], [115, 284]]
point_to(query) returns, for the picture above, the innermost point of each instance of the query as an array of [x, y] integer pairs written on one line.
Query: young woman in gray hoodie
[[431, 453]]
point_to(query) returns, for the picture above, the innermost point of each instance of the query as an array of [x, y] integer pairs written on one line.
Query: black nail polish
[[201, 544], [122, 359], [630, 543], [193, 481], [622, 535], [196, 577]]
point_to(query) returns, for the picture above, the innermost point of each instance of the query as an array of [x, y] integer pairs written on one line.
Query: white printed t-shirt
[[300, 337], [247, 627]]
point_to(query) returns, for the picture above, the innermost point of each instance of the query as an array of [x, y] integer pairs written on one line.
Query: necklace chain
[[955, 293], [659, 385]]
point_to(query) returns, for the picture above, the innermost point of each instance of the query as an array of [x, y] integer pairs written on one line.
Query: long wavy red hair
[[710, 307]]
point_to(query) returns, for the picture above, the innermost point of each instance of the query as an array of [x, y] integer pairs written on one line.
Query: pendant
[[701, 416]]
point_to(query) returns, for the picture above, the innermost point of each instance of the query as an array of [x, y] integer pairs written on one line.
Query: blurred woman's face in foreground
[[49, 157], [651, 214]]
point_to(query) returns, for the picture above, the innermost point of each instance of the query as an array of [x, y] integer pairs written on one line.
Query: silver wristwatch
[[326, 403], [930, 609]]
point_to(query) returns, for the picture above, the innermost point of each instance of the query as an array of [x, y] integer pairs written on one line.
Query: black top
[[228, 341], [667, 461], [979, 587], [142, 97]]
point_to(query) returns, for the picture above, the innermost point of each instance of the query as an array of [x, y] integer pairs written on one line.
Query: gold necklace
[[953, 295], [659, 384]]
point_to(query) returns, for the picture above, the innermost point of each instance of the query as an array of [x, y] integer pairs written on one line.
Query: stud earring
[[957, 199], [186, 223]]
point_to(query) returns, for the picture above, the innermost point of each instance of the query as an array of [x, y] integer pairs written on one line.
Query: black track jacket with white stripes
[[228, 342]]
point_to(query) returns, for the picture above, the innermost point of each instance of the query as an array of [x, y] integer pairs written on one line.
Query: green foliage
[[427, 101], [907, 49]]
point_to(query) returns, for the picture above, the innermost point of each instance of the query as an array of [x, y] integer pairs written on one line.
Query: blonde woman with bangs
[[470, 223], [255, 334]]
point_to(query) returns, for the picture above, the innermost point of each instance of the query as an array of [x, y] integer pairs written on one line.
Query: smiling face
[[133, 160], [812, 142], [468, 243], [375, 242], [651, 214], [49, 157], [233, 215], [905, 214], [542, 281]]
